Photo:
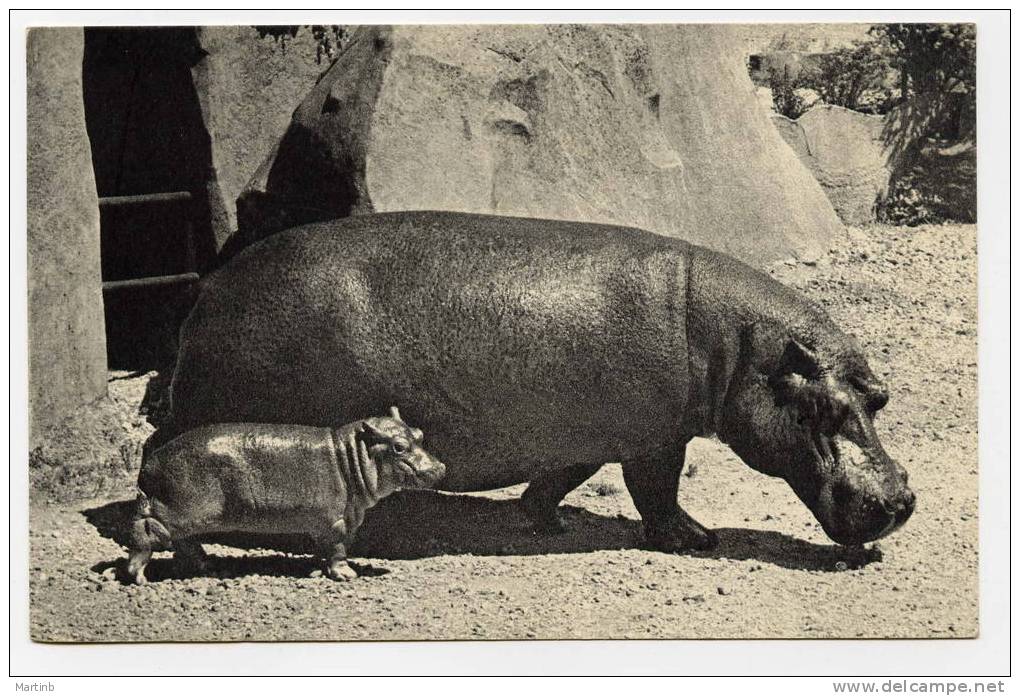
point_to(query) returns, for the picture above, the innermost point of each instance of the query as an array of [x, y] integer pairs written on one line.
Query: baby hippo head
[[396, 450]]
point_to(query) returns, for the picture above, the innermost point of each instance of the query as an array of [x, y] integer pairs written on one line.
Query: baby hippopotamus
[[273, 479]]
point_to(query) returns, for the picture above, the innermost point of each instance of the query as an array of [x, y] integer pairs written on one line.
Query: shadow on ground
[[426, 524], [276, 565]]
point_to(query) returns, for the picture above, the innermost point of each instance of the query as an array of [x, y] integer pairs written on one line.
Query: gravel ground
[[466, 566]]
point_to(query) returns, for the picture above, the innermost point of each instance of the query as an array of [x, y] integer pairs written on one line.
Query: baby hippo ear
[[371, 433]]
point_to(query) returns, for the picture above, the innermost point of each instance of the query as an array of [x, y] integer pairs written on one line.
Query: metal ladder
[[144, 313], [155, 199]]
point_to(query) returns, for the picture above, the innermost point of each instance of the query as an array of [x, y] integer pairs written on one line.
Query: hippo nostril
[[902, 509]]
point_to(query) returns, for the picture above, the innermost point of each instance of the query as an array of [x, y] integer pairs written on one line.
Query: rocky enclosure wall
[[67, 344], [248, 86], [845, 152], [651, 126]]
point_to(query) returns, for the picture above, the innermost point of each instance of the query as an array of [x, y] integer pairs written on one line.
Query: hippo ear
[[798, 381], [370, 433], [798, 359]]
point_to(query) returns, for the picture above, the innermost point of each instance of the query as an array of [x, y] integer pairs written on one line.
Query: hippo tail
[[147, 533]]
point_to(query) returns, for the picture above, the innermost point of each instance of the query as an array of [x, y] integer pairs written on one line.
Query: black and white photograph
[[490, 331]]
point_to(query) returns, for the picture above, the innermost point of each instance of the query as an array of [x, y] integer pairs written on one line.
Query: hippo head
[[396, 450], [804, 410]]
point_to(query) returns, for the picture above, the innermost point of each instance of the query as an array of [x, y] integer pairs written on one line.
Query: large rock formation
[[651, 126], [67, 346], [248, 86], [191, 109], [846, 152]]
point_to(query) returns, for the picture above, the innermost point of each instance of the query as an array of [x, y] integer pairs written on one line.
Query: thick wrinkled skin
[[535, 351]]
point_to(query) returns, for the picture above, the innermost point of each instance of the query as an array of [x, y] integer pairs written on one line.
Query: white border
[[986, 655]]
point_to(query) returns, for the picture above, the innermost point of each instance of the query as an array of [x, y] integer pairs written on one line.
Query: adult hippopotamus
[[537, 350]]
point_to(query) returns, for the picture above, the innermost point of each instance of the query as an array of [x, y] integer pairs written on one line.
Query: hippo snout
[[429, 469], [851, 516], [903, 506]]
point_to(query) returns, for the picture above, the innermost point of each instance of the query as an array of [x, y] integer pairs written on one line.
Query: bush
[[329, 39], [938, 186], [937, 65], [845, 76], [907, 204], [931, 131], [784, 88]]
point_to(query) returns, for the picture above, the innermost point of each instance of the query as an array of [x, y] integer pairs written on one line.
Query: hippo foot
[[680, 536], [191, 557], [341, 572], [544, 519], [134, 569], [549, 525]]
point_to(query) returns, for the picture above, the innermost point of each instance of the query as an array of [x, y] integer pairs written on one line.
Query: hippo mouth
[[852, 503], [425, 477]]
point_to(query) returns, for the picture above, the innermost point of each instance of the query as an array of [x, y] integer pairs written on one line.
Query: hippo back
[[514, 343]]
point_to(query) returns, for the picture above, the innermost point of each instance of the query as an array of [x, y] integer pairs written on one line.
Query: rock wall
[[248, 86], [652, 126], [67, 346], [846, 153]]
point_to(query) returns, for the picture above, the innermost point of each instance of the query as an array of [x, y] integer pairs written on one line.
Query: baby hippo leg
[[137, 560], [335, 547], [146, 534]]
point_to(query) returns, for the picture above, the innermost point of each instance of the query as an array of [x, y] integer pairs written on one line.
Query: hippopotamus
[[259, 478], [538, 350]]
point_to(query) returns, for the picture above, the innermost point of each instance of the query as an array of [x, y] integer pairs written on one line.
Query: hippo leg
[[545, 493], [335, 543], [653, 481], [192, 554], [137, 560]]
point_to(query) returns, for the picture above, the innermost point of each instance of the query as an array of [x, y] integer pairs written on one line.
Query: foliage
[[844, 76], [329, 39], [937, 64], [907, 204], [932, 58], [784, 93], [936, 186], [938, 86]]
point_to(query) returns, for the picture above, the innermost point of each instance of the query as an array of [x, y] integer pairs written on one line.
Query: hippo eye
[[400, 447]]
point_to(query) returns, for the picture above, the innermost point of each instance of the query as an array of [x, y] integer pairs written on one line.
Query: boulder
[[652, 126], [67, 344], [846, 152], [248, 85]]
